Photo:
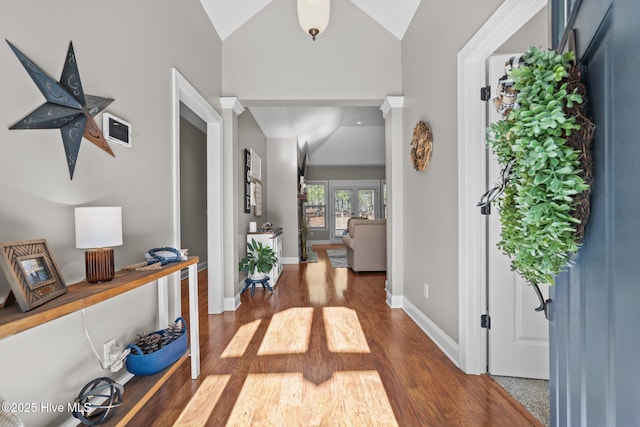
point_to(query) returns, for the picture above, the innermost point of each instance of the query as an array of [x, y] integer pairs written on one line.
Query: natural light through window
[[271, 397], [201, 405], [241, 340], [343, 330], [288, 332], [317, 289], [354, 398]]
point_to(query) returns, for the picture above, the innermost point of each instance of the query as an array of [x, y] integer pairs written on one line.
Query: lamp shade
[[313, 16], [98, 227]]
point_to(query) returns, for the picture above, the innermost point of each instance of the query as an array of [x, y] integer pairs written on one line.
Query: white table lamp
[[98, 229]]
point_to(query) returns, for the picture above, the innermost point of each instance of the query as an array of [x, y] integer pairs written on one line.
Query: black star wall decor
[[67, 107]]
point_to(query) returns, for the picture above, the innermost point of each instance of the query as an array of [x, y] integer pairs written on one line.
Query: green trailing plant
[[259, 259], [540, 232]]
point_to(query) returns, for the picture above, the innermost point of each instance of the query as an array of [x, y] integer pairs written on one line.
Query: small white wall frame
[[255, 170]]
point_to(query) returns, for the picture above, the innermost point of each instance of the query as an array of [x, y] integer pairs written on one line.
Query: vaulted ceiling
[[331, 135], [229, 15]]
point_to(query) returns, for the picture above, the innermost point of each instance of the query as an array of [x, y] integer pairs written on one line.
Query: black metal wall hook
[[544, 305]]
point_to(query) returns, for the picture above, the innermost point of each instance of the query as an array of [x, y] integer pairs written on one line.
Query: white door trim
[[506, 20], [184, 92]]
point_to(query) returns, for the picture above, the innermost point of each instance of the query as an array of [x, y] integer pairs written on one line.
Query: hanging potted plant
[[259, 261], [543, 146]]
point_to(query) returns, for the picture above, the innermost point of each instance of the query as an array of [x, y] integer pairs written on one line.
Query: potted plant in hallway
[[259, 261]]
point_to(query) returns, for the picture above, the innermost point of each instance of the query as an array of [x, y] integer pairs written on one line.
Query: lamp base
[[99, 265]]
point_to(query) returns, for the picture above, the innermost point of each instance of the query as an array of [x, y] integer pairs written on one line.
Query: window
[[315, 211]]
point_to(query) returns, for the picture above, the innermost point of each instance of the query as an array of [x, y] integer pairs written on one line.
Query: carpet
[[338, 258], [532, 394], [311, 256]]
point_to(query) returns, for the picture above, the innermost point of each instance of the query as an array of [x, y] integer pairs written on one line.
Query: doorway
[[510, 17], [193, 185], [185, 93]]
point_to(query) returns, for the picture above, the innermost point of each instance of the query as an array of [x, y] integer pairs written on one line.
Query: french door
[[349, 199]]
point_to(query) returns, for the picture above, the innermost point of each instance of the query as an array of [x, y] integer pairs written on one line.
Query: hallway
[[324, 349]]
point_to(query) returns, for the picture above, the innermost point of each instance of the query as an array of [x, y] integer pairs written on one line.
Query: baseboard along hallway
[[323, 349]]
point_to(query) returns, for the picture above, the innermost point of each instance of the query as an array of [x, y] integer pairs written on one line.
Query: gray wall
[[533, 33], [430, 211], [250, 136], [193, 190], [37, 196], [319, 173], [282, 192]]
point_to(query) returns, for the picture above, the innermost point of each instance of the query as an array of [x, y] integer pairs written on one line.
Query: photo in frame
[[31, 271]]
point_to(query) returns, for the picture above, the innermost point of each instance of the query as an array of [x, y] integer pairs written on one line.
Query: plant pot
[[148, 364], [257, 276]]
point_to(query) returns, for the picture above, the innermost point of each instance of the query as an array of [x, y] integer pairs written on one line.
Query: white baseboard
[[290, 260], [437, 335], [232, 304], [394, 301]]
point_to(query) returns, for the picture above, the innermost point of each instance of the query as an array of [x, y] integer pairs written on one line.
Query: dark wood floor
[[407, 380]]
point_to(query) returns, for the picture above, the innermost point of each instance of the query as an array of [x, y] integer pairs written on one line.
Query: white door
[[519, 335]]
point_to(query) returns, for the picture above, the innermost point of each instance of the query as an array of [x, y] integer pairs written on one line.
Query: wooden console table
[[82, 295]]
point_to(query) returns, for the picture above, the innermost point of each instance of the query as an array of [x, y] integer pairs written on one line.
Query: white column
[[394, 144], [231, 109]]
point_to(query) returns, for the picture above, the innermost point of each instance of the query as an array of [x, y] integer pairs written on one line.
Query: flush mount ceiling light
[[313, 16]]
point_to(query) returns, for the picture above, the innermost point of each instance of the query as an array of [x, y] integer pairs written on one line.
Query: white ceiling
[[331, 135], [228, 15], [338, 136]]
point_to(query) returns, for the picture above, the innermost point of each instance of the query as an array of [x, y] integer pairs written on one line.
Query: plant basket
[[149, 364]]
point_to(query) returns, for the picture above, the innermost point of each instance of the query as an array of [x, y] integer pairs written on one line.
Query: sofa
[[366, 242]]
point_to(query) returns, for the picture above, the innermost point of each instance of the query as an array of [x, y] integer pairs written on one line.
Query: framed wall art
[[32, 273], [247, 181], [257, 211]]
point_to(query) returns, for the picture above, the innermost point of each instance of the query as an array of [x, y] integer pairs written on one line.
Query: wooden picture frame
[[6, 295], [32, 273]]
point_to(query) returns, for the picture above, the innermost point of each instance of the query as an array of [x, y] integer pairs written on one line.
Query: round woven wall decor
[[421, 146]]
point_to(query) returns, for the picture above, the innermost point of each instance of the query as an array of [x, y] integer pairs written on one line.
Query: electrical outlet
[[426, 290], [110, 349]]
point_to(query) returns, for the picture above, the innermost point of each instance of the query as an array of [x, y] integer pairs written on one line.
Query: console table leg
[[163, 303], [194, 321]]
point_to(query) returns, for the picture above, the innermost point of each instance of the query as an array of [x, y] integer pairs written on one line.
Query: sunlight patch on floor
[[343, 330], [199, 408], [241, 340], [317, 289], [355, 398], [288, 333], [340, 282]]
